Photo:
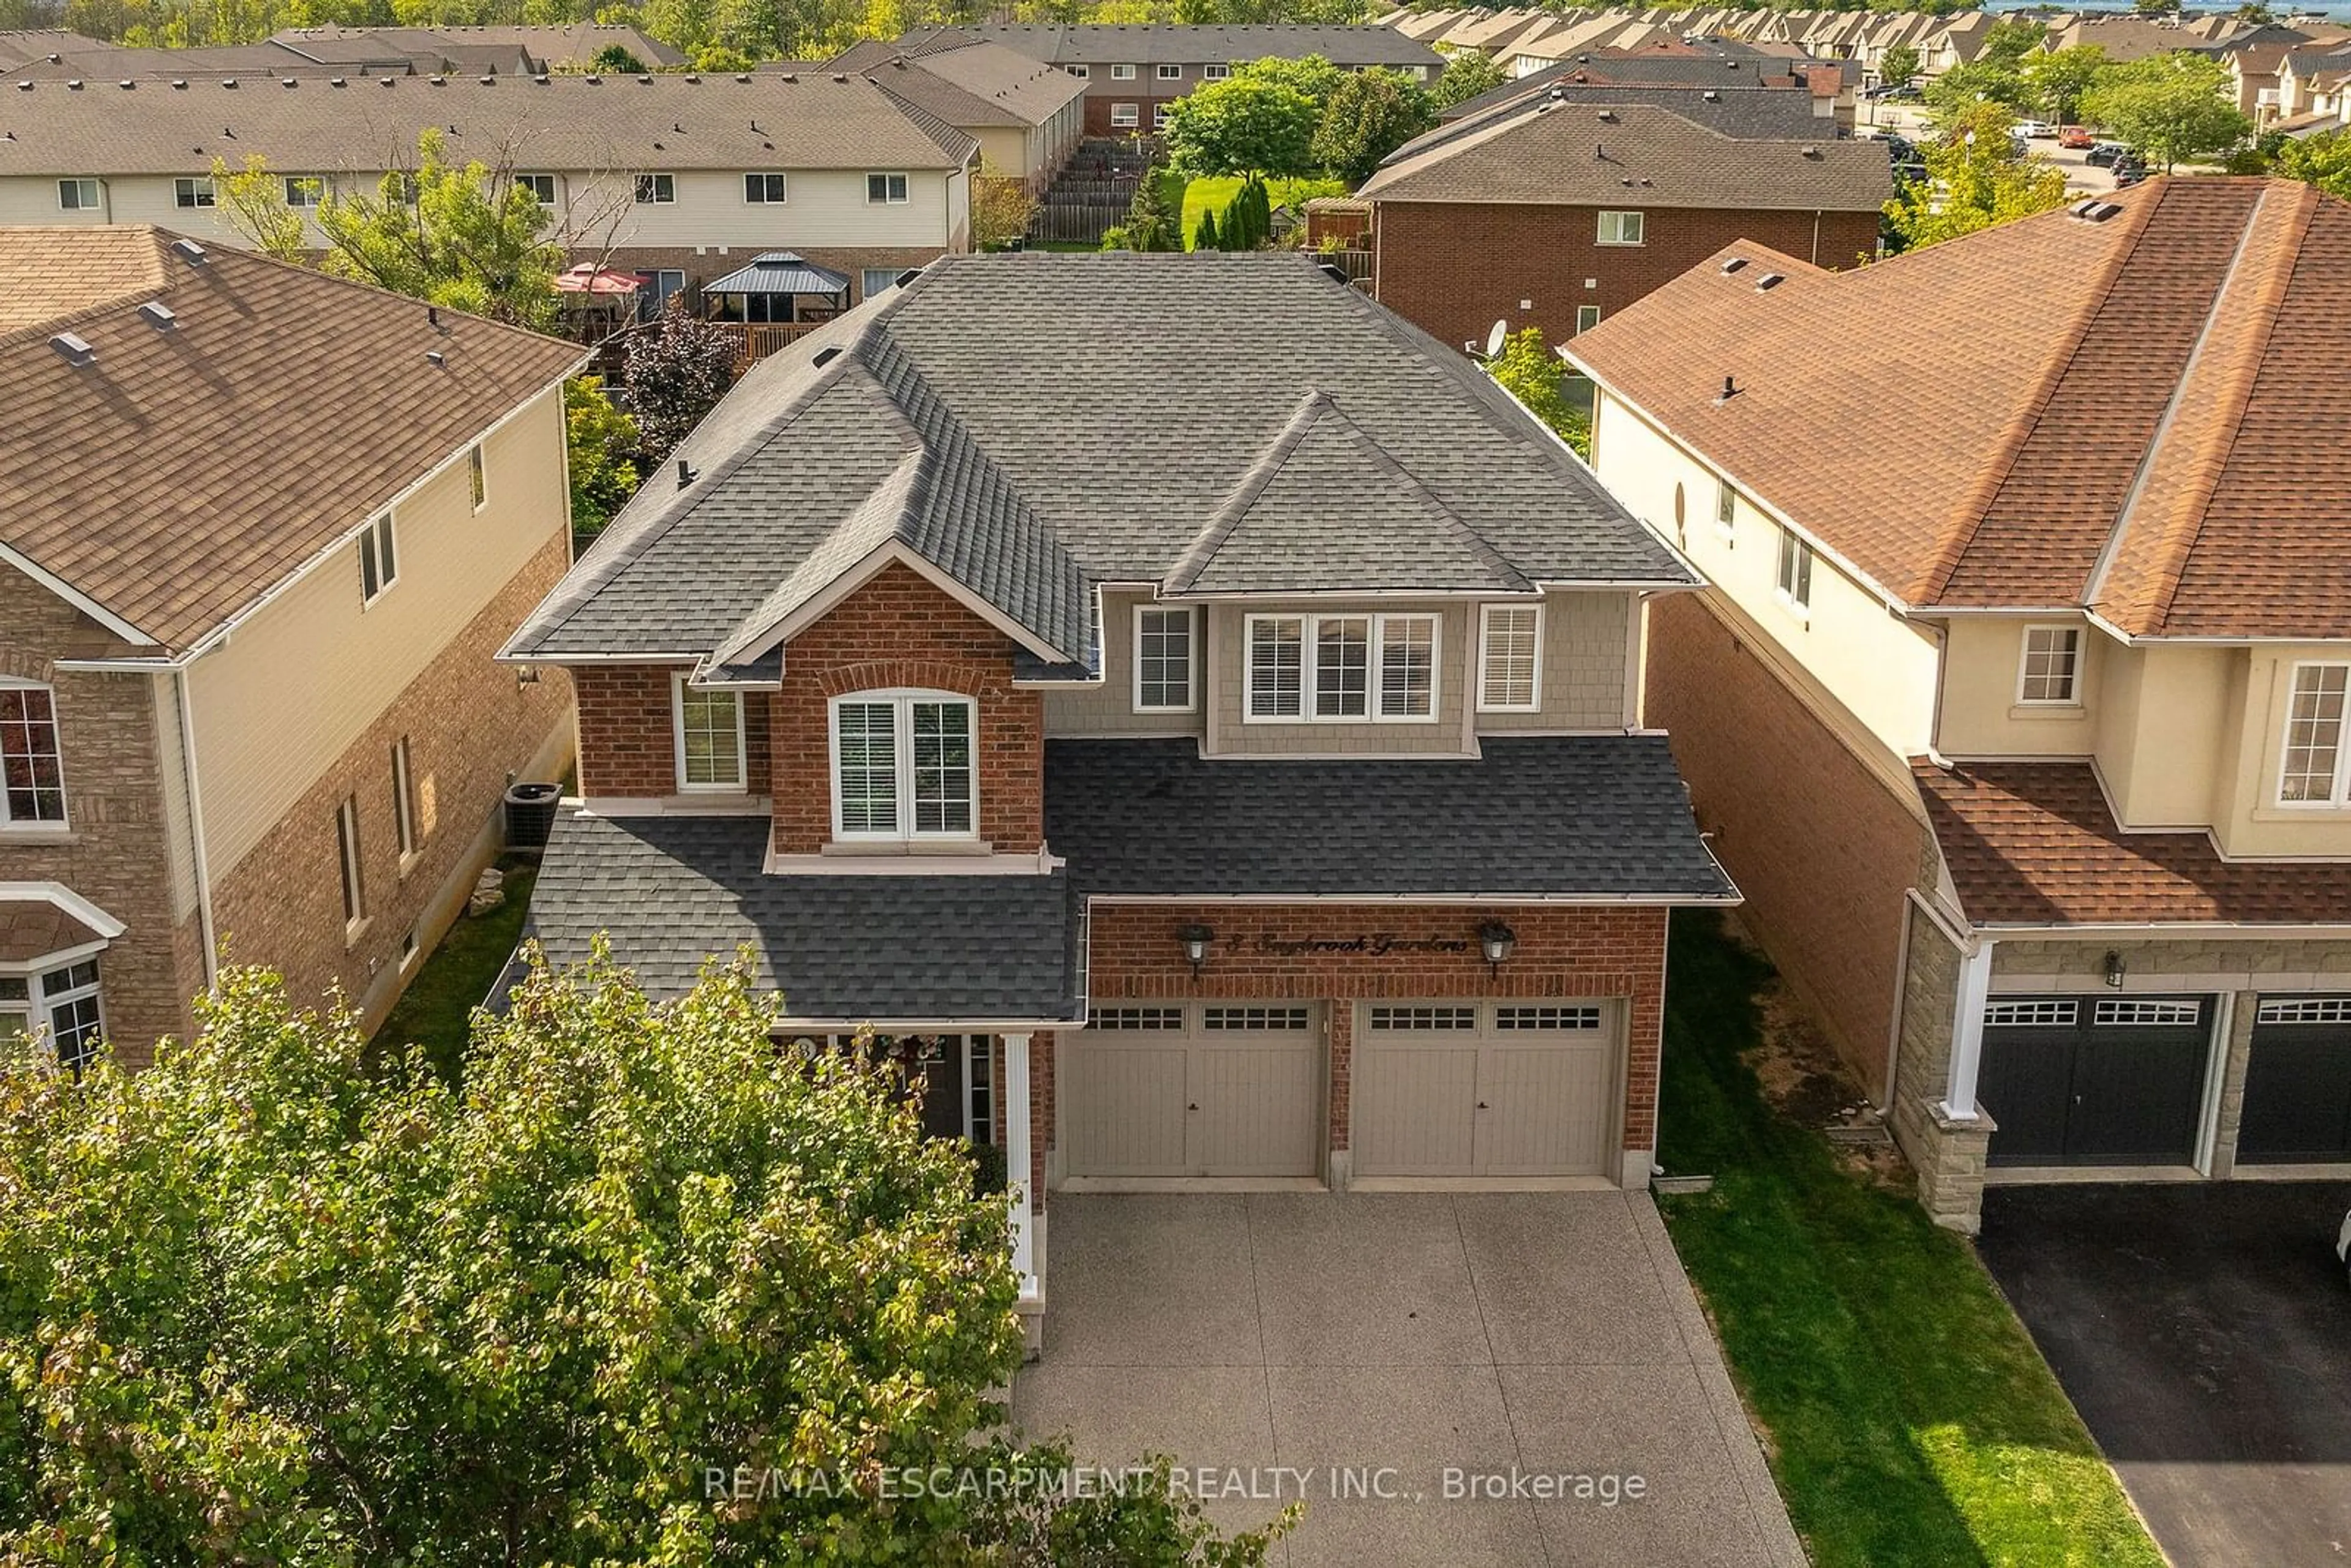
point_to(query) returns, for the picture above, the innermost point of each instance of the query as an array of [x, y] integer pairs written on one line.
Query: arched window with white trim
[[905, 766]]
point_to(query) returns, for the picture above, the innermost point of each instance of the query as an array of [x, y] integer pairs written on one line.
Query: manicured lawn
[[1910, 1418], [1218, 191], [437, 1007]]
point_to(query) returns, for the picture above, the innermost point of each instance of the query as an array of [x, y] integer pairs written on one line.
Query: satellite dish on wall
[[1494, 338]]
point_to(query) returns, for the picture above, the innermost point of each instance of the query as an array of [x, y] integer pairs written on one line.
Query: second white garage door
[[1485, 1089], [1149, 1093]]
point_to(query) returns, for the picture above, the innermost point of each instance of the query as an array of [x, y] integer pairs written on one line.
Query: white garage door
[[1191, 1088], [1485, 1089]]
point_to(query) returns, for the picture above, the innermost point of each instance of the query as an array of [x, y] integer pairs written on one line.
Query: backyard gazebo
[[778, 288]]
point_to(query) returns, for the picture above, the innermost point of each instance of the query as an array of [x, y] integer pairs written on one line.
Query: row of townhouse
[[263, 532], [57, 54], [681, 178], [1027, 116], [1134, 72], [2025, 734]]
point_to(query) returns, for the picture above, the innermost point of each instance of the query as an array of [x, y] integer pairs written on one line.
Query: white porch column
[[1967, 1032], [1017, 1163]]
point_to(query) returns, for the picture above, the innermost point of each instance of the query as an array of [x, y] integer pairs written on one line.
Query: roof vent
[[743, 76], [127, 84], [489, 81], [839, 79], [438, 82], [74, 84], [178, 84], [687, 474], [1711, 96], [389, 81], [909, 276], [158, 315], [189, 251], [435, 358], [826, 355], [1814, 153], [647, 78], [1730, 389], [542, 78], [285, 81], [1734, 263], [692, 77], [73, 349], [593, 80], [1607, 117], [24, 87], [1769, 281], [229, 82], [337, 81]]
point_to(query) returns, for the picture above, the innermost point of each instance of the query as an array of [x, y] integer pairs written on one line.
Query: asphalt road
[[2204, 1332], [1909, 119]]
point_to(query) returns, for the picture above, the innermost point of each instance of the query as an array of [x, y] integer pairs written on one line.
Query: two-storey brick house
[[261, 532], [1254, 793], [2024, 731]]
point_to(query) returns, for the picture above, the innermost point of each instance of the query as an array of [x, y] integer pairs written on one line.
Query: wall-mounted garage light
[[1498, 942], [1196, 939], [2114, 970]]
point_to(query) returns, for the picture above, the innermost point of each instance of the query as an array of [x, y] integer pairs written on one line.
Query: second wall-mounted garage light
[[1498, 942], [2114, 970], [1196, 939]]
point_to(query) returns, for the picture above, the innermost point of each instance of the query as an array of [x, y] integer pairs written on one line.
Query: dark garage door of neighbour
[[2094, 1080], [2298, 1083]]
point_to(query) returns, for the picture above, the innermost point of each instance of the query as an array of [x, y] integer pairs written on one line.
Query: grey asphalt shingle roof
[[1083, 419], [1550, 816], [780, 272], [1207, 43], [672, 892], [1784, 113]]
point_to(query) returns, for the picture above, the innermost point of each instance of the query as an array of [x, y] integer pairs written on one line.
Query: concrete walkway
[[1373, 1354]]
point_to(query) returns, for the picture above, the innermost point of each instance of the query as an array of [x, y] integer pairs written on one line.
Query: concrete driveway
[[1531, 1353], [2204, 1332]]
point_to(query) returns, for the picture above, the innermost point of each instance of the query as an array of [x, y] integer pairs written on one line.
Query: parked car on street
[[2129, 171], [2073, 138], [2038, 130], [2104, 154]]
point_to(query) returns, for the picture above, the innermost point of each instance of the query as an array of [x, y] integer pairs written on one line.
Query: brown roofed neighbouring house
[[2153, 437], [190, 462], [2035, 843]]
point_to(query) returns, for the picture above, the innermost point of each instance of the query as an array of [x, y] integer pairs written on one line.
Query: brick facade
[[627, 742], [469, 724], [1823, 849], [116, 851], [1561, 951], [931, 643], [1456, 268]]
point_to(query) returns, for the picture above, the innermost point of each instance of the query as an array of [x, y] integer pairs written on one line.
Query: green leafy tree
[[2055, 80], [1899, 64], [460, 234], [2175, 108], [603, 443], [1467, 74], [1368, 116], [265, 1305], [2009, 41], [1311, 76], [1958, 92], [676, 374], [1002, 208], [1248, 124], [2323, 161], [252, 199], [1973, 180], [1530, 371], [617, 59]]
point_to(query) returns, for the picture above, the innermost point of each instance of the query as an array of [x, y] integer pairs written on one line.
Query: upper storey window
[[1509, 666], [32, 766], [709, 740], [1163, 661], [904, 765], [2313, 771], [2051, 671], [1336, 667]]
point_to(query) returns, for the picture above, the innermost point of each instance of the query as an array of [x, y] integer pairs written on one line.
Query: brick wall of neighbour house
[[705, 263], [1561, 951], [899, 631], [116, 850], [628, 743], [1456, 268], [468, 724], [1143, 92], [1823, 849]]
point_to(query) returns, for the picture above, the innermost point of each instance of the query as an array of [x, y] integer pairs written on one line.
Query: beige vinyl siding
[[1109, 708], [1586, 639], [298, 684], [1982, 716], [171, 763], [1447, 734]]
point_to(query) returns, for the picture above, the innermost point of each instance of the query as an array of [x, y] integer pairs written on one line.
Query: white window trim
[[1161, 114], [1796, 548], [40, 824], [2024, 664], [381, 527], [530, 182], [405, 826], [1620, 214], [1168, 73], [2339, 796], [678, 743], [1377, 625], [478, 465], [763, 176], [1726, 526], [1587, 316], [1485, 635], [350, 867], [1216, 72], [887, 199], [901, 700], [1191, 657], [651, 189], [203, 195], [317, 192], [44, 1006], [1121, 73], [96, 193], [979, 1056], [1081, 72], [1125, 116]]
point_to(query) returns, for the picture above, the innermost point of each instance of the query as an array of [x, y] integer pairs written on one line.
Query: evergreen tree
[[1206, 237]]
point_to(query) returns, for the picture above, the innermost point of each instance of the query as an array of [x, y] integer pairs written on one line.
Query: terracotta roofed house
[[1564, 207], [2017, 704], [1268, 806], [261, 532]]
